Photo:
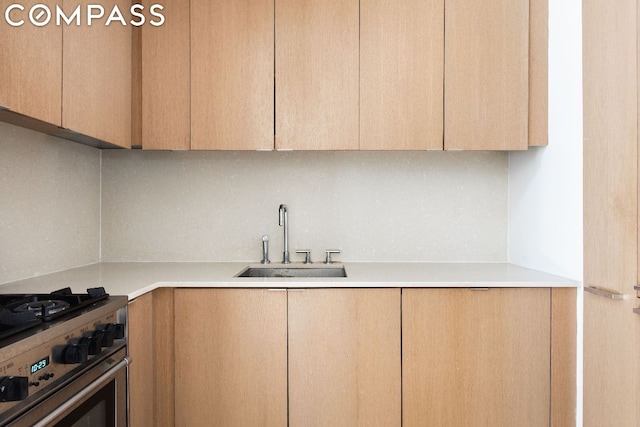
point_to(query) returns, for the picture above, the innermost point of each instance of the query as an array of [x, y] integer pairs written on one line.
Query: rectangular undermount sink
[[293, 271]]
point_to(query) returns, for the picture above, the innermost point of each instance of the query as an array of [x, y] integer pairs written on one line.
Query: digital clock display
[[40, 364]]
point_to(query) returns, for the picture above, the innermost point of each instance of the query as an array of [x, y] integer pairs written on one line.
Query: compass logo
[[40, 15]]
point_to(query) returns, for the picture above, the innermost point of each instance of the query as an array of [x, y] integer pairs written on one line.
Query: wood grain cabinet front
[[314, 357], [353, 357], [232, 74], [401, 74], [96, 76], [163, 58], [317, 92], [486, 75], [344, 357], [346, 75], [230, 357], [151, 372], [142, 369], [71, 75], [31, 64], [611, 192], [476, 357]]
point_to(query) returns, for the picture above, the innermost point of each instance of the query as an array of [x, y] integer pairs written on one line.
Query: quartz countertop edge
[[134, 279]]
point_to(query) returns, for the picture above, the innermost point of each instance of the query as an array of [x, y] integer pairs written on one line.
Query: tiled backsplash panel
[[49, 204], [374, 206]]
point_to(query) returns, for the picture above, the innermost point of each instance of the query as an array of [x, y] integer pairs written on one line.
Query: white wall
[[374, 206], [49, 204], [545, 184]]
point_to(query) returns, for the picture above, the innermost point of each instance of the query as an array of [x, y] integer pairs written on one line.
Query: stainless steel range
[[63, 359]]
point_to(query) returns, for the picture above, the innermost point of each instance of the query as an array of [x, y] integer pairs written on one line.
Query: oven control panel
[[46, 363]]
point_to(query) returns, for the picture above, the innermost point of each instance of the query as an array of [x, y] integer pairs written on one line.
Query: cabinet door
[[538, 72], [141, 350], [232, 66], [230, 357], [96, 97], [166, 104], [317, 74], [610, 362], [610, 82], [401, 74], [344, 357], [472, 357], [610, 85], [31, 65], [486, 75], [150, 344]]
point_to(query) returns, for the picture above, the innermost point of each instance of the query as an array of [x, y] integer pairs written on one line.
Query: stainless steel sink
[[293, 271]]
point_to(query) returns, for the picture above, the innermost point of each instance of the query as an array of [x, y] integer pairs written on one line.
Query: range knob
[[14, 388], [117, 328], [104, 337], [92, 344], [74, 353]]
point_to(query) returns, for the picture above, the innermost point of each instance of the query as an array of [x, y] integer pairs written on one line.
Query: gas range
[[48, 342], [19, 312]]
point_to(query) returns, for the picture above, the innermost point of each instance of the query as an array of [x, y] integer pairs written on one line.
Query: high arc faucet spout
[[283, 221]]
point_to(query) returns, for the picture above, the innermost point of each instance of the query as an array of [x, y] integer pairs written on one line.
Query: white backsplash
[[49, 204], [374, 206]]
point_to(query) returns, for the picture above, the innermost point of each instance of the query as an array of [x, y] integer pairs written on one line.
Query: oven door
[[97, 398]]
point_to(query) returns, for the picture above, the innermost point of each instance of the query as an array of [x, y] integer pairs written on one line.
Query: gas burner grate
[[42, 308]]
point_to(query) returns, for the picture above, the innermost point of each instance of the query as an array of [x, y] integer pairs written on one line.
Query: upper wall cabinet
[[486, 97], [317, 60], [538, 72], [401, 74], [346, 75], [96, 100], [165, 70], [74, 79], [31, 66], [232, 68]]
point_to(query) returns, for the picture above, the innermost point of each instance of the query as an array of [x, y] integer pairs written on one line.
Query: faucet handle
[[329, 252], [265, 250], [307, 259]]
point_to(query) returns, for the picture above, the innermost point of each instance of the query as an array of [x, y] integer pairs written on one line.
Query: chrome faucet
[[283, 221]]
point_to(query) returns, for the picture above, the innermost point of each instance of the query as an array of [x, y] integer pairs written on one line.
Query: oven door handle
[[95, 385]]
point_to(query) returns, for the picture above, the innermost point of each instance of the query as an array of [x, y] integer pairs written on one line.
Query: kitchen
[[71, 205]]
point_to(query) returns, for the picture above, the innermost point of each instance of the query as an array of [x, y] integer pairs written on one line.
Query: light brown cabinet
[[31, 66], [230, 357], [165, 74], [353, 357], [611, 239], [232, 73], [476, 357], [316, 45], [343, 75], [151, 372], [344, 357], [141, 370], [486, 75], [77, 77], [401, 74], [96, 77], [337, 362]]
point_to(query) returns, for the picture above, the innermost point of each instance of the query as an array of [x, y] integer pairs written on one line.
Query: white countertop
[[135, 279]]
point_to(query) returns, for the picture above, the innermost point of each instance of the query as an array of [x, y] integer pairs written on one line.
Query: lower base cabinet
[[611, 353], [344, 357], [337, 351], [476, 357], [230, 357], [353, 357], [141, 370]]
